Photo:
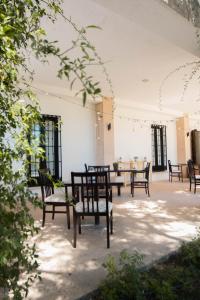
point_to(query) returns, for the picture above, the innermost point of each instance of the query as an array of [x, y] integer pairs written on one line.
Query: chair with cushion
[[86, 191], [140, 182], [51, 199], [193, 177], [175, 171]]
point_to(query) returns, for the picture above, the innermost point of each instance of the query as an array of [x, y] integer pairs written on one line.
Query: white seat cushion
[[101, 206], [176, 171], [142, 180], [197, 176], [57, 198]]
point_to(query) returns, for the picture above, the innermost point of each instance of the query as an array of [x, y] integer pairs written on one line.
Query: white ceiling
[[139, 40]]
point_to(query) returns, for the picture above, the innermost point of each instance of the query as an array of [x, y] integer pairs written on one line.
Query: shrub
[[175, 278]]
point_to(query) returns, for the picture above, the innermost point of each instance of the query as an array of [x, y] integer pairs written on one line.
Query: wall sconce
[[109, 126]]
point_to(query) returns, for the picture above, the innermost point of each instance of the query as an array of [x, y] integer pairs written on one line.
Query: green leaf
[[97, 91], [94, 27], [72, 83], [84, 98]]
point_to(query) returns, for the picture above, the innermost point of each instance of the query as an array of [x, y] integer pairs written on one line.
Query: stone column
[[104, 132], [183, 140]]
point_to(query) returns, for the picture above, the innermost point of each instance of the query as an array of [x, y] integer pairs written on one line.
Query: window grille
[[47, 135], [159, 147]]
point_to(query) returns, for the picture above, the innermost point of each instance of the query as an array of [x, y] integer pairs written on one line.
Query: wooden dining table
[[115, 181]]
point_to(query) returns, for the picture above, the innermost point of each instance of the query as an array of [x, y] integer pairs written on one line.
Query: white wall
[[134, 138], [131, 138], [78, 131]]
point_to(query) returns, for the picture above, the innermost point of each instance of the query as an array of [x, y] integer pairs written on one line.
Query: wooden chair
[[100, 169], [175, 171], [193, 177], [140, 182], [49, 198], [86, 190]]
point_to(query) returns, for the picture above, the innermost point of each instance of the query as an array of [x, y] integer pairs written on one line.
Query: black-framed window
[[48, 135], [159, 147]]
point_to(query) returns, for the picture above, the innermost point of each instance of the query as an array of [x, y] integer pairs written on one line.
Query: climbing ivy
[[22, 35]]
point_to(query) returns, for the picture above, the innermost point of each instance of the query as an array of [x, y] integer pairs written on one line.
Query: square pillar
[[183, 141], [104, 132]]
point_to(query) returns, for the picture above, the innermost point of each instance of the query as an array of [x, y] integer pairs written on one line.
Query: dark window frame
[[159, 148], [55, 164]]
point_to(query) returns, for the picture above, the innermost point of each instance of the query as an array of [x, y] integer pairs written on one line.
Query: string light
[[142, 122]]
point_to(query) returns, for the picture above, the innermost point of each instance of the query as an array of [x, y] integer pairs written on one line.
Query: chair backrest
[[46, 183], [105, 168], [100, 169], [191, 169], [147, 169], [86, 168], [86, 188], [170, 166]]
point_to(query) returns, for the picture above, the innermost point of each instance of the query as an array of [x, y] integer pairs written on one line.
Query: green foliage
[[175, 278], [116, 166], [21, 34], [123, 279]]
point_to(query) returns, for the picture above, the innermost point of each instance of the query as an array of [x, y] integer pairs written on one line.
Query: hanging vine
[[21, 34]]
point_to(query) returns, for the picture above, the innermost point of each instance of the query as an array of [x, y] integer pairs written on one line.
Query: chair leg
[[43, 216], [111, 222], [169, 177], [108, 231], [190, 184], [68, 216], [79, 225], [148, 190], [75, 229], [132, 189], [195, 187], [53, 214], [110, 198], [145, 189]]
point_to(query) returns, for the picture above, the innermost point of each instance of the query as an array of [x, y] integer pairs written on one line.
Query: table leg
[[119, 190], [97, 220]]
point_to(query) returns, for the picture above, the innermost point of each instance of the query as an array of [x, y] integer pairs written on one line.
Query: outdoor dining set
[[92, 191], [91, 194], [193, 173]]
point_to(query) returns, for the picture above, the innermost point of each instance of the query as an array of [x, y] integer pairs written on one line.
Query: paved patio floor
[[154, 226]]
